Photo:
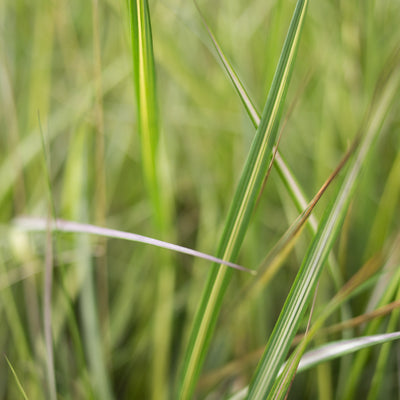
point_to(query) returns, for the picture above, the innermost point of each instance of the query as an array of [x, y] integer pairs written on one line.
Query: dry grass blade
[[39, 224]]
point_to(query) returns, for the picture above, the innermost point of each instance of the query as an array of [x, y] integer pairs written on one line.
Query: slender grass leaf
[[39, 224], [145, 91], [21, 389], [241, 208], [148, 125]]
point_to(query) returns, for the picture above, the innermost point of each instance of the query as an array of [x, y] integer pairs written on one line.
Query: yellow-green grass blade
[[302, 290], [145, 93], [148, 126], [241, 208], [20, 387]]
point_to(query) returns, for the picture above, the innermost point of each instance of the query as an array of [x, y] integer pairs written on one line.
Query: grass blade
[[21, 389], [148, 125], [39, 224], [241, 208], [340, 348]]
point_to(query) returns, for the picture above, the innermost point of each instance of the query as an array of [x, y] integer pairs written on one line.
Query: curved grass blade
[[311, 268], [340, 348], [241, 208], [39, 224]]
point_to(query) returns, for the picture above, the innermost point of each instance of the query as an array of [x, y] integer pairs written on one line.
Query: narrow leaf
[[340, 348], [39, 224], [21, 389]]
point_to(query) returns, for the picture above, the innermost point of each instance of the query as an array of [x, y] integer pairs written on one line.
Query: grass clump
[[134, 116]]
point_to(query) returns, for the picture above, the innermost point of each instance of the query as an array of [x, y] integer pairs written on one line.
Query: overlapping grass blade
[[304, 285], [287, 241], [241, 208], [289, 180]]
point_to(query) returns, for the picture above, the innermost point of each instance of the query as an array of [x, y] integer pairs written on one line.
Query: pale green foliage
[[145, 133]]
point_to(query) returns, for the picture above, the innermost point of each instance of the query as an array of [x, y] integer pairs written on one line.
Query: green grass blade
[[21, 389], [145, 93], [304, 285], [161, 200], [241, 208]]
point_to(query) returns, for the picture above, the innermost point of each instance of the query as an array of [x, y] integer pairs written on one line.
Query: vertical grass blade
[[241, 208], [145, 93], [147, 113], [310, 270]]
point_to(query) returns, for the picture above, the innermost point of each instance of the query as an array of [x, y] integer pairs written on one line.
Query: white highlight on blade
[[40, 224]]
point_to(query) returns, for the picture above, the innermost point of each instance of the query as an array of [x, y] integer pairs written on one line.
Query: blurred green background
[[66, 80]]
